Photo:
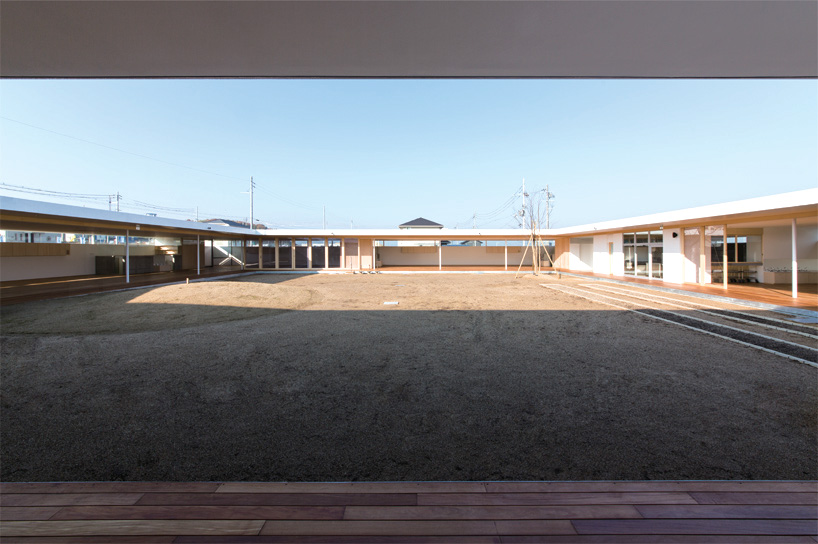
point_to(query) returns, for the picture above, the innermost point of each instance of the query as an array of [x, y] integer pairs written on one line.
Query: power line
[[47, 192], [288, 200], [489, 217], [121, 150], [162, 208]]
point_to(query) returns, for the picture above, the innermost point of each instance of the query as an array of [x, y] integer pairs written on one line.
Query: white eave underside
[[798, 202]]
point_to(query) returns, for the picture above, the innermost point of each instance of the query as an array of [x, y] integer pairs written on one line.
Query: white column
[[374, 262], [702, 256], [309, 253], [260, 253], [198, 257], [343, 254], [127, 257], [794, 260], [243, 253], [292, 253], [326, 252], [440, 254], [724, 256], [505, 243], [682, 252], [276, 251]]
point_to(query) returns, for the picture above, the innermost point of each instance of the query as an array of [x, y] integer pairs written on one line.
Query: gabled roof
[[420, 222]]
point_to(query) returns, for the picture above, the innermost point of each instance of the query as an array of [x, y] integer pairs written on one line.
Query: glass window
[[268, 254], [656, 262], [642, 261], [301, 260], [285, 253], [318, 253], [656, 237], [630, 264], [641, 237], [334, 254], [752, 249], [717, 249]]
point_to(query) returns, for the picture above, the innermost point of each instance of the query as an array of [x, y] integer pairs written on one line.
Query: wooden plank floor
[[411, 512], [14, 292], [776, 294]]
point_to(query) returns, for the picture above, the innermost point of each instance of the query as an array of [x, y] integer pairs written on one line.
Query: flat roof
[[23, 214], [780, 206]]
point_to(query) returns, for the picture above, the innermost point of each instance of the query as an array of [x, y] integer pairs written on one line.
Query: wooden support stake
[[523, 259]]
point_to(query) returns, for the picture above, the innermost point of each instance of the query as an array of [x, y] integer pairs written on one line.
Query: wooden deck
[[411, 512], [457, 268], [13, 292], [778, 294]]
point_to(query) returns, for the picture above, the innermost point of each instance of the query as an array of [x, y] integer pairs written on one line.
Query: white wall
[[691, 258], [674, 262], [777, 254], [777, 248], [392, 256], [603, 262], [81, 262], [477, 255], [455, 256], [581, 256]]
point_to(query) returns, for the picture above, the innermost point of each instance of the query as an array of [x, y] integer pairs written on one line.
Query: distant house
[[418, 225]]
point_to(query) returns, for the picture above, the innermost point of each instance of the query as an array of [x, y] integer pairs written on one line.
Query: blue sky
[[381, 152]]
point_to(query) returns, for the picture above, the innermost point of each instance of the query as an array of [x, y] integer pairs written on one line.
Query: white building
[[770, 240]]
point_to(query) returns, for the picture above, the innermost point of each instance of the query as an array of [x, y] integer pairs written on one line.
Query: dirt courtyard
[[314, 378]]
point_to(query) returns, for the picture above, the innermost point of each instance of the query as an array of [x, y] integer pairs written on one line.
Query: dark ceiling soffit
[[396, 39]]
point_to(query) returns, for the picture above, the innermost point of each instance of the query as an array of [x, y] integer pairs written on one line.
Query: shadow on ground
[[282, 394]]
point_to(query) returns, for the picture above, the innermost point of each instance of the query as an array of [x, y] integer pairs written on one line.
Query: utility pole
[[522, 210], [252, 184], [548, 207], [118, 198]]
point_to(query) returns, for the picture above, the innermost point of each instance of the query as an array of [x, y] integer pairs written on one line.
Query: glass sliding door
[[301, 259], [643, 254], [285, 253], [268, 254], [334, 254], [630, 260], [642, 257], [318, 254], [656, 262]]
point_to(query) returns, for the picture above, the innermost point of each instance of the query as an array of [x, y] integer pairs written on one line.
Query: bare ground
[[469, 377]]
